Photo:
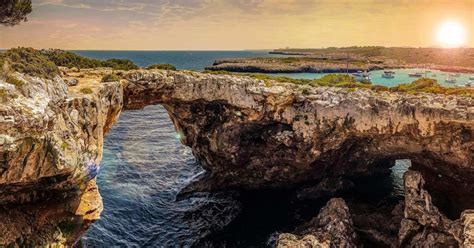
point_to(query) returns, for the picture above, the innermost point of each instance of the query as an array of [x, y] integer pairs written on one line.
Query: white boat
[[361, 76], [471, 77], [388, 74], [450, 80], [469, 83], [416, 74]]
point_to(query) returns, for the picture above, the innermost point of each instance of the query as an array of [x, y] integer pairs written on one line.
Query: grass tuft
[[86, 91], [110, 78], [162, 67]]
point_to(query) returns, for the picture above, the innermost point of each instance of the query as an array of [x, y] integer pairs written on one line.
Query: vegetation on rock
[[12, 12], [9, 78], [429, 85], [86, 90], [70, 59], [110, 78], [28, 61], [162, 67], [422, 85]]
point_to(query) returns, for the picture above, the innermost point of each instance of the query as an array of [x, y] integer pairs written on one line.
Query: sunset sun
[[451, 34]]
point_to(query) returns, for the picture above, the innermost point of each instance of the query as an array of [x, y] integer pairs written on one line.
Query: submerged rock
[[332, 227]]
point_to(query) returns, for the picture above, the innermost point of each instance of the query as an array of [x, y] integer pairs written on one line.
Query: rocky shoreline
[[327, 63], [246, 134]]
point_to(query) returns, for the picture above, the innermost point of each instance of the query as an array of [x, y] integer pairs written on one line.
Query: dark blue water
[[144, 166], [189, 60]]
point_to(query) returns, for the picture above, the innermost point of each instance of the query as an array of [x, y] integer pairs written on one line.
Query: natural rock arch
[[248, 135]]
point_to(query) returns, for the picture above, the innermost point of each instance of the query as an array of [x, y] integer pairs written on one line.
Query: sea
[[144, 166]]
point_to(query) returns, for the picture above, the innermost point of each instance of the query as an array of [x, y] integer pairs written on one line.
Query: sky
[[236, 24]]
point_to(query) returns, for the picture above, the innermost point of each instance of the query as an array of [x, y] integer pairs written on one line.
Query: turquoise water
[[198, 60], [400, 77]]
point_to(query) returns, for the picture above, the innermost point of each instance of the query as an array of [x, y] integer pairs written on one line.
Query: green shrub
[[29, 61], [3, 95], [162, 67], [86, 91], [70, 59], [120, 64], [9, 78], [110, 78], [333, 79]]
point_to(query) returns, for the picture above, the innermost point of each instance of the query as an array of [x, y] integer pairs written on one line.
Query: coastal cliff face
[[50, 149], [246, 133], [249, 134]]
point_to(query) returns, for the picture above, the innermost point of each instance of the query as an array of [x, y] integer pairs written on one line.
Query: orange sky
[[235, 24]]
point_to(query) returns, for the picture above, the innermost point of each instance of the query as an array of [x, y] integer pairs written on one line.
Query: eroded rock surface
[[248, 134], [50, 148], [332, 227], [424, 225]]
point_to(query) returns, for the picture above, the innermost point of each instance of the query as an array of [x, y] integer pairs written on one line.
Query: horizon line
[[244, 49]]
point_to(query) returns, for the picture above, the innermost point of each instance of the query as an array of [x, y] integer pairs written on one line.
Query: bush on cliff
[[335, 79], [162, 67], [120, 64], [28, 61], [110, 78], [86, 91], [70, 59]]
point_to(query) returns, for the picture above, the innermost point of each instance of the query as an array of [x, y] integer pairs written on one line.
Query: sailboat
[[450, 79]]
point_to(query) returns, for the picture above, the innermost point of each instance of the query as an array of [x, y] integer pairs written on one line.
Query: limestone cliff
[[50, 149], [247, 134]]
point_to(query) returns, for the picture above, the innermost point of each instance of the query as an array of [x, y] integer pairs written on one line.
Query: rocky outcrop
[[50, 148], [246, 133], [425, 226], [249, 134], [332, 227], [293, 65]]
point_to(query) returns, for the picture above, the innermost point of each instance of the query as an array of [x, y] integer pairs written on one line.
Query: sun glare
[[451, 34]]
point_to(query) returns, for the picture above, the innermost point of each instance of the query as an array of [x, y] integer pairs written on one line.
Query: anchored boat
[[361, 76], [450, 79], [388, 74], [416, 74]]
